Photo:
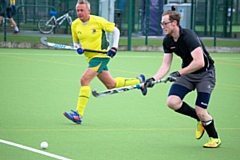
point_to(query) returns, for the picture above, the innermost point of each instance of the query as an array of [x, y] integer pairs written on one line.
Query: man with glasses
[[197, 72]]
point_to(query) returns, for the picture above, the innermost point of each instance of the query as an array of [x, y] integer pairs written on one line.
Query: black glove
[[174, 75], [149, 82]]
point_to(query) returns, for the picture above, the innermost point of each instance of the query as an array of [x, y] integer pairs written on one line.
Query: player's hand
[[112, 52], [149, 82], [175, 75], [80, 51], [171, 79]]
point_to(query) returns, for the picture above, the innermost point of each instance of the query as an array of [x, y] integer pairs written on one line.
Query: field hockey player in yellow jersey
[[88, 31]]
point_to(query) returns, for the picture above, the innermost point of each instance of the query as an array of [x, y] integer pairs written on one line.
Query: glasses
[[165, 24]]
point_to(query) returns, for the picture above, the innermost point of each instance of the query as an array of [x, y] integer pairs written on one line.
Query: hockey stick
[[127, 88], [62, 46]]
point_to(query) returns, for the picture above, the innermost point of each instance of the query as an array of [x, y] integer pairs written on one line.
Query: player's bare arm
[[165, 67]]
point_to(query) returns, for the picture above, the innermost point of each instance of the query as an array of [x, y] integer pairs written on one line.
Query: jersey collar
[[180, 30]]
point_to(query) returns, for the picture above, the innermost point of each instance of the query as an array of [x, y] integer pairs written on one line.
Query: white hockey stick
[[62, 46], [127, 88]]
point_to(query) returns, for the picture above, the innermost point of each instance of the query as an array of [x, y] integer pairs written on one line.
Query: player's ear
[[174, 22]]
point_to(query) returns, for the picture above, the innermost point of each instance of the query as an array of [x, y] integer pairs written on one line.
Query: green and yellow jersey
[[91, 35]]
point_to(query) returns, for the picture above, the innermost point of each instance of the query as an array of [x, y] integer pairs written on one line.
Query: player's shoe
[[213, 143], [73, 116], [143, 89], [16, 32], [200, 130]]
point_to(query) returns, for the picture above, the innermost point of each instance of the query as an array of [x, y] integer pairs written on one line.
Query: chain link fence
[[208, 18]]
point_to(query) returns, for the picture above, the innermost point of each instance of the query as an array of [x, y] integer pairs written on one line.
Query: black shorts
[[9, 13], [202, 82]]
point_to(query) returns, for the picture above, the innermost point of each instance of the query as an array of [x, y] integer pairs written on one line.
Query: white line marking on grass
[[34, 150]]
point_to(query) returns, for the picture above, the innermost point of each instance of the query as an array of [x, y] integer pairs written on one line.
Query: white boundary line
[[34, 150]]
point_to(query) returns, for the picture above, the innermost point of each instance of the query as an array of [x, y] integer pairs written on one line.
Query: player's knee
[[173, 102], [110, 85], [84, 81]]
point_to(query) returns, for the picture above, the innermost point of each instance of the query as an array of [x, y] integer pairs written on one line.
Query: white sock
[[16, 28]]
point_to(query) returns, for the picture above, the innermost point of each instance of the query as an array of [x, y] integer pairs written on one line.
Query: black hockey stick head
[[94, 92]]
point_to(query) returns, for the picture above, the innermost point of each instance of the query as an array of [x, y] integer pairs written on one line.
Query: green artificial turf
[[37, 86]]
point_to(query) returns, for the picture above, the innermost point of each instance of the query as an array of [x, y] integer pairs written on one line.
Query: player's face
[[83, 12], [166, 25]]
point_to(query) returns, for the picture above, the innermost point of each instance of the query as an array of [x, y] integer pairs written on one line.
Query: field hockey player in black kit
[[197, 73]]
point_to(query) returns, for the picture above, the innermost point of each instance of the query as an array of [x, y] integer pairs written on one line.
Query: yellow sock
[[121, 82], [84, 95]]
